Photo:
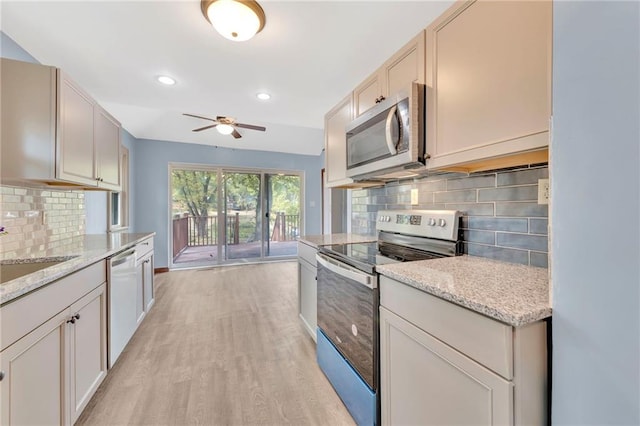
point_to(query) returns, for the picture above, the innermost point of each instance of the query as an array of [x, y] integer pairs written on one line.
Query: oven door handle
[[346, 271]]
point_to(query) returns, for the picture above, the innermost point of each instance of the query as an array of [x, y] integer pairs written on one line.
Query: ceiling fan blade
[[205, 128], [198, 116], [235, 134], [251, 126]]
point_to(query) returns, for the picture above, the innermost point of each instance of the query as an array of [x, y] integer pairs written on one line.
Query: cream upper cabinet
[[396, 75], [488, 76], [75, 135], [53, 131], [335, 143], [107, 146]]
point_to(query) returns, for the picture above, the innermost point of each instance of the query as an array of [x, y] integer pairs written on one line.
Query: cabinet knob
[[1, 375], [73, 319]]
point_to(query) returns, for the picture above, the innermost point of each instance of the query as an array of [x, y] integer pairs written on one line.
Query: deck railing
[[190, 231]]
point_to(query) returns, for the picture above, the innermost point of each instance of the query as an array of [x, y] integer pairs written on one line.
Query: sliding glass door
[[224, 215], [283, 212]]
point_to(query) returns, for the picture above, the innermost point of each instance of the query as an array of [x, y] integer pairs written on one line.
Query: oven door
[[348, 314]]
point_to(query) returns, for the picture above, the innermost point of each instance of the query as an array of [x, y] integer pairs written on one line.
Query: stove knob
[[388, 218], [432, 222], [442, 223]]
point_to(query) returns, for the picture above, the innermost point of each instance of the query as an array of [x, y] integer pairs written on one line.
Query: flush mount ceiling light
[[237, 20], [165, 79], [263, 96]]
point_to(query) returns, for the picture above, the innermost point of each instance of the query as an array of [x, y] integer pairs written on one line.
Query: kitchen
[[594, 283]]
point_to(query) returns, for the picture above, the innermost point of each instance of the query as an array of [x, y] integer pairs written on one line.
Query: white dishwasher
[[122, 302]]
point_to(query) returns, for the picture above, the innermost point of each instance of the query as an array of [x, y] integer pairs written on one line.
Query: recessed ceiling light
[[263, 96], [165, 79]]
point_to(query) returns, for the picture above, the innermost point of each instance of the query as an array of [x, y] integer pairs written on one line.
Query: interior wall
[[151, 182], [595, 213]]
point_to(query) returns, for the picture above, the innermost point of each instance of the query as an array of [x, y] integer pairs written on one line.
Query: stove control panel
[[442, 224]]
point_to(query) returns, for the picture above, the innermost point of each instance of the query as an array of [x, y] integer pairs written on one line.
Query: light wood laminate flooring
[[221, 346]]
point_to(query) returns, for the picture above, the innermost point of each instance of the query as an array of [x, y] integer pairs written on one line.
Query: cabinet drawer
[[25, 314], [307, 253], [143, 248], [483, 339]]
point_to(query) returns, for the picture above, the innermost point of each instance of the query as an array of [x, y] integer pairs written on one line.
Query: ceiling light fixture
[[165, 79], [224, 129], [263, 96], [237, 20]]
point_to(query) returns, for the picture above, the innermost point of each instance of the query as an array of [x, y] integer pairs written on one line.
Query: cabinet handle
[[73, 319], [1, 375]]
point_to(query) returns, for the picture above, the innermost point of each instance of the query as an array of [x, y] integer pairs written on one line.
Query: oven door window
[[348, 316]]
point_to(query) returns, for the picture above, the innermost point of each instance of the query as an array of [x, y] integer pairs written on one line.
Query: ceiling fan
[[226, 125]]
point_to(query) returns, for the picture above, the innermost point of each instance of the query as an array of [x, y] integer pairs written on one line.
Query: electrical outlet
[[543, 191], [414, 197]]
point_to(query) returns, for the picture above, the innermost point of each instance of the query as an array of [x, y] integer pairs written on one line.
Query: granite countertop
[[76, 253], [325, 240], [514, 294]]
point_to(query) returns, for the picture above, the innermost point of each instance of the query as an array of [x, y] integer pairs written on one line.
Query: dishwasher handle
[[121, 258], [347, 271]]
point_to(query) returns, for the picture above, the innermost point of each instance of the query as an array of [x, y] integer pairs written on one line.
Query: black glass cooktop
[[366, 256]]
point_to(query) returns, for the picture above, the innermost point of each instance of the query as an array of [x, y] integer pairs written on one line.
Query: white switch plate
[[543, 191], [414, 197]]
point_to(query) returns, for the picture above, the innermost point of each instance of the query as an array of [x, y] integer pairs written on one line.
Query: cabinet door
[[107, 143], [87, 348], [335, 123], [489, 68], [31, 391], [307, 287], [405, 67], [425, 382], [366, 94], [147, 277], [139, 293], [75, 138]]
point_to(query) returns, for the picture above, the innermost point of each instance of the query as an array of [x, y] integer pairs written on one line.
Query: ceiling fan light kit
[[236, 20], [225, 125]]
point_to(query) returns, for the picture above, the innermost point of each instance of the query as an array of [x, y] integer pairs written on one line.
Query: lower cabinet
[[49, 375], [441, 364], [148, 289], [426, 382], [307, 288], [87, 348]]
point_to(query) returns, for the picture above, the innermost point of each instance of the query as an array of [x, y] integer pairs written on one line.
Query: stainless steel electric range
[[348, 299]]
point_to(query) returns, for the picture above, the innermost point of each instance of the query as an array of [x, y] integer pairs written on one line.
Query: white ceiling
[[309, 56]]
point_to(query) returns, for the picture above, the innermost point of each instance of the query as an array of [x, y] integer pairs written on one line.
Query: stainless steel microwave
[[388, 141]]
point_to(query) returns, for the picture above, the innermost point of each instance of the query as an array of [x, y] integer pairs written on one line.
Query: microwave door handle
[[391, 144]]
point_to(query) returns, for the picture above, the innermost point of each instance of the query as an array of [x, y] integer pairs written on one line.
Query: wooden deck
[[203, 254]]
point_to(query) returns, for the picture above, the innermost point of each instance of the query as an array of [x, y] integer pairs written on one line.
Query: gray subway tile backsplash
[[497, 253], [509, 193], [501, 218], [464, 196], [522, 177], [530, 209], [522, 241], [538, 226], [496, 223]]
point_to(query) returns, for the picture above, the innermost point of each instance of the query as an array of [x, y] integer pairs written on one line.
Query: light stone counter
[[80, 251], [325, 240], [514, 294]]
